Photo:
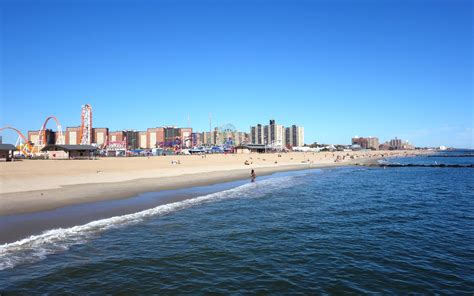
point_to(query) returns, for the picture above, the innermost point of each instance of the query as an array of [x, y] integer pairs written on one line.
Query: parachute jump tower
[[86, 125]]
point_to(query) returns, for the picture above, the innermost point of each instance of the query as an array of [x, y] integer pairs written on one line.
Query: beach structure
[[69, 151], [294, 136], [276, 136], [100, 136], [6, 151], [256, 134], [177, 137], [396, 144], [132, 139], [197, 139], [73, 135], [366, 142], [399, 144], [248, 148], [155, 136], [241, 150], [142, 140]]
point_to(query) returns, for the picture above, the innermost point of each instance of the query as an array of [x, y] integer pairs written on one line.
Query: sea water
[[341, 230]]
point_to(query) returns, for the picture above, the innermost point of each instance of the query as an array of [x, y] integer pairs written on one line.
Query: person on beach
[[252, 175]]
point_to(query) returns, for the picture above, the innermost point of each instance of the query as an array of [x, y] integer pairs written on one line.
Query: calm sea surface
[[345, 230]]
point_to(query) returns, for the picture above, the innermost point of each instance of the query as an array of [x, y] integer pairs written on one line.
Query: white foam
[[38, 247]]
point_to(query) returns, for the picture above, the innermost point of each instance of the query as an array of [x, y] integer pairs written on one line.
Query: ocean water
[[344, 230]]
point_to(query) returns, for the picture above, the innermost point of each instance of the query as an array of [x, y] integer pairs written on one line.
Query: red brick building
[[73, 135], [155, 137], [100, 136]]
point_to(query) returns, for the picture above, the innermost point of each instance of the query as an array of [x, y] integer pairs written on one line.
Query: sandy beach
[[37, 185]]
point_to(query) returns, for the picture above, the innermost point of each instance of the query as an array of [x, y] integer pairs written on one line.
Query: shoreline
[[51, 199], [20, 226], [56, 191]]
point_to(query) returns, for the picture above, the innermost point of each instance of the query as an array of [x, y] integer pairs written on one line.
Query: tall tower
[[86, 125], [210, 122], [209, 140]]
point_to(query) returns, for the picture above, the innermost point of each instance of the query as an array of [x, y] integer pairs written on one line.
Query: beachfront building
[[100, 136], [196, 139], [373, 143], [177, 137], [257, 134], [248, 148], [155, 137], [366, 142], [274, 134], [396, 144], [127, 138], [294, 136], [69, 151], [6, 151], [142, 140], [116, 136], [208, 138], [73, 135], [132, 139], [185, 134]]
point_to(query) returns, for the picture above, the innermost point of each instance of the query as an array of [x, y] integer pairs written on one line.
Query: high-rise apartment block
[[294, 136], [257, 134], [277, 135]]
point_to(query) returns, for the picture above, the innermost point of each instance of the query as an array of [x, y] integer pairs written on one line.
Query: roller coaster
[[28, 148], [25, 148], [42, 133]]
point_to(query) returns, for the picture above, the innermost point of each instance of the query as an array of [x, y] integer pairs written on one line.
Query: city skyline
[[405, 69], [273, 133]]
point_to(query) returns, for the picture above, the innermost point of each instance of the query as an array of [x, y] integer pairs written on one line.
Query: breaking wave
[[38, 247]]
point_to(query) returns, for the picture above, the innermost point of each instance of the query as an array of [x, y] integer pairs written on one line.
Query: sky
[[339, 68]]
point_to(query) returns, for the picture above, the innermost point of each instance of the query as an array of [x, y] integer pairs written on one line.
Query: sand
[[38, 185]]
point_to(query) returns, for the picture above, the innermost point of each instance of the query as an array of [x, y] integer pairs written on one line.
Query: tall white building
[[277, 135], [294, 136], [257, 134], [274, 134]]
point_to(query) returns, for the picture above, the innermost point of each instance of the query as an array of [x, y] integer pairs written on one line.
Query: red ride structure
[[42, 133], [24, 148]]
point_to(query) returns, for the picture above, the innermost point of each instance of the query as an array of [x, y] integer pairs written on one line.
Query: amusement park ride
[[86, 125], [28, 148], [22, 143]]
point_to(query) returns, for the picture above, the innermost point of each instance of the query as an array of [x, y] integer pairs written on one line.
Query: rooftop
[[70, 147]]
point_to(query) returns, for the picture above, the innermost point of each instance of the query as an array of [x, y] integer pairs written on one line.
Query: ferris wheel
[[227, 128]]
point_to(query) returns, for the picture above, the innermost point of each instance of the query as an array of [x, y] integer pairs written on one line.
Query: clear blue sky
[[339, 68]]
